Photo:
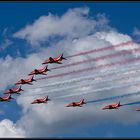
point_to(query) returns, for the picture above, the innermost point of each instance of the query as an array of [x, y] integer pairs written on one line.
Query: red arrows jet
[[6, 98], [138, 109], [112, 106], [39, 71], [41, 100], [54, 60], [74, 104], [14, 90], [26, 81]]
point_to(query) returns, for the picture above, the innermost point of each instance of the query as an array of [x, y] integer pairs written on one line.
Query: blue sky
[[124, 16], [23, 13], [123, 12]]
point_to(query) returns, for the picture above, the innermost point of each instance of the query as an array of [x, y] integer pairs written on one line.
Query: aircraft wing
[[29, 83], [116, 107], [58, 62], [43, 73]]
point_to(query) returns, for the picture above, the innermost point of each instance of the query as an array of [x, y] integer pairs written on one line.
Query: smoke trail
[[132, 103], [105, 80], [103, 49], [92, 77], [92, 68], [116, 97], [127, 84], [99, 58], [103, 89], [133, 75]]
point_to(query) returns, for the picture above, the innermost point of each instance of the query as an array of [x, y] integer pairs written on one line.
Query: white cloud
[[74, 23], [9, 130], [82, 33]]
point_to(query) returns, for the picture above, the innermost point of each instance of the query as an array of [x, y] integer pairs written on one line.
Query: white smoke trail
[[76, 88], [103, 89], [126, 70]]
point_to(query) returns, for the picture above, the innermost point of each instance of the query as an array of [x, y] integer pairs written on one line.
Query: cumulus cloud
[[74, 23], [80, 33], [9, 130]]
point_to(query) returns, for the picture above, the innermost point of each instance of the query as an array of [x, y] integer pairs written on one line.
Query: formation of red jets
[[43, 71]]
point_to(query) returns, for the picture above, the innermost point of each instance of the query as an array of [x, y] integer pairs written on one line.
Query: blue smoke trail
[[116, 97], [132, 103]]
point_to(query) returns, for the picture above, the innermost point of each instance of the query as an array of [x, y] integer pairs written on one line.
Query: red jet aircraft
[[41, 100], [74, 104], [54, 60], [39, 71], [26, 81], [138, 109], [6, 98], [14, 90], [112, 106]]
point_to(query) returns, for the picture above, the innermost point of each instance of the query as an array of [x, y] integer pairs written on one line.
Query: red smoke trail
[[92, 68], [98, 58], [123, 84], [102, 49], [92, 77]]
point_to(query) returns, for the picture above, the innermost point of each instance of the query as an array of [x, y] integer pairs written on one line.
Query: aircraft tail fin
[[20, 88], [82, 101], [47, 98], [32, 78], [63, 57], [119, 104], [46, 68], [10, 97]]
